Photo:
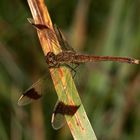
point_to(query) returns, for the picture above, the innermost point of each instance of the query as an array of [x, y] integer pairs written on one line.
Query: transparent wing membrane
[[62, 41]]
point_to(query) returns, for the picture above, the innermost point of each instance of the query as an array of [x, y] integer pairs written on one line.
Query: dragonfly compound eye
[[51, 59]]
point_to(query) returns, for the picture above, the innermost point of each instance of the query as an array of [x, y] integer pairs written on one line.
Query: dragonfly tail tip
[[136, 61]]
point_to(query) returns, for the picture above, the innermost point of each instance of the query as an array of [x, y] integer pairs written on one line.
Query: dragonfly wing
[[60, 110], [58, 118], [62, 41], [27, 97], [52, 35], [58, 121], [65, 46], [33, 93]]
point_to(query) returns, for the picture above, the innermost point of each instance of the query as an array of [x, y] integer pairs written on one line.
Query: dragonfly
[[35, 92], [66, 57]]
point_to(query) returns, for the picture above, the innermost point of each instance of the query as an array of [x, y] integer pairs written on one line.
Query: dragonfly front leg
[[56, 66]]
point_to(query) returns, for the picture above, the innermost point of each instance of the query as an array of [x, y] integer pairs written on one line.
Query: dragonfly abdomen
[[92, 58], [79, 58]]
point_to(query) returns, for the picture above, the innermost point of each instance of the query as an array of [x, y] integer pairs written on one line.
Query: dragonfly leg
[[76, 65], [56, 66], [72, 69]]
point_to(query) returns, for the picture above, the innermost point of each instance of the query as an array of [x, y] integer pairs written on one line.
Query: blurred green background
[[109, 91]]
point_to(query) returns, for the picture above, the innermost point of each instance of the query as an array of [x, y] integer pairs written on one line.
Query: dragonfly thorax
[[51, 59]]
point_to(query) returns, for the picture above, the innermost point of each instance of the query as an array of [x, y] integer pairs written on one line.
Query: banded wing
[[60, 111], [52, 35], [33, 93]]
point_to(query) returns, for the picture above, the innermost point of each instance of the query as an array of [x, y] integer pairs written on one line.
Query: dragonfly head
[[51, 59]]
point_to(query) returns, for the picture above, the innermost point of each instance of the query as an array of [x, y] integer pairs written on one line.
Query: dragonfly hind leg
[[72, 69]]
